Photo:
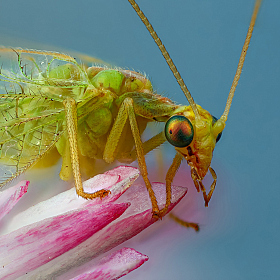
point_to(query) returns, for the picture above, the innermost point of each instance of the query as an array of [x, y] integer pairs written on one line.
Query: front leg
[[126, 111], [71, 123], [169, 179]]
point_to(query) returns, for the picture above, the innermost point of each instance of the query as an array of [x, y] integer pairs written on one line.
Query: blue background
[[239, 230]]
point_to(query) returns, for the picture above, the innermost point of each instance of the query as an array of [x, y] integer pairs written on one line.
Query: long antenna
[[241, 60], [166, 56]]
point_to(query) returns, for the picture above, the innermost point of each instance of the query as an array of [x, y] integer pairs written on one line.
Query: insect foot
[[159, 214], [101, 194]]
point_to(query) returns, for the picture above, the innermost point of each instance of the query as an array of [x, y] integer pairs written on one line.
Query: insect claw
[[156, 215], [104, 194]]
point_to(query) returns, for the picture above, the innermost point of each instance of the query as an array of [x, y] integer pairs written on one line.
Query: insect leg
[[184, 223], [126, 111], [66, 171], [71, 122], [169, 178], [149, 145], [140, 155], [159, 163], [113, 139]]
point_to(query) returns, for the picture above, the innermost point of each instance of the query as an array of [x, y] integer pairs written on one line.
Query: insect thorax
[[99, 104]]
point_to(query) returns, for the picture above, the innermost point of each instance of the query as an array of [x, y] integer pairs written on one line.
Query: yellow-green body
[[33, 115], [36, 88], [50, 105]]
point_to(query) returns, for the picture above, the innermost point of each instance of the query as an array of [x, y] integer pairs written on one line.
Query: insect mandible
[[51, 105]]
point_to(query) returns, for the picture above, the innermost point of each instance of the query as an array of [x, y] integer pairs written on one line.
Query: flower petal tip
[[114, 266], [10, 197], [117, 180]]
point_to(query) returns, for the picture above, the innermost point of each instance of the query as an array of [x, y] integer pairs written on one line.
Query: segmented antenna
[[241, 60], [166, 56]]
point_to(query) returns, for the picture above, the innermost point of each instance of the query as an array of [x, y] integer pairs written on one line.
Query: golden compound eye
[[179, 131]]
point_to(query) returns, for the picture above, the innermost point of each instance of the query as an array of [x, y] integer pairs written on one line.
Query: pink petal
[[117, 181], [34, 245], [10, 197], [110, 267], [112, 235]]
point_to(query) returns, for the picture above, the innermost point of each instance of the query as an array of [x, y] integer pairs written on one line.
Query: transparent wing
[[36, 68], [33, 86], [89, 60], [24, 140]]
